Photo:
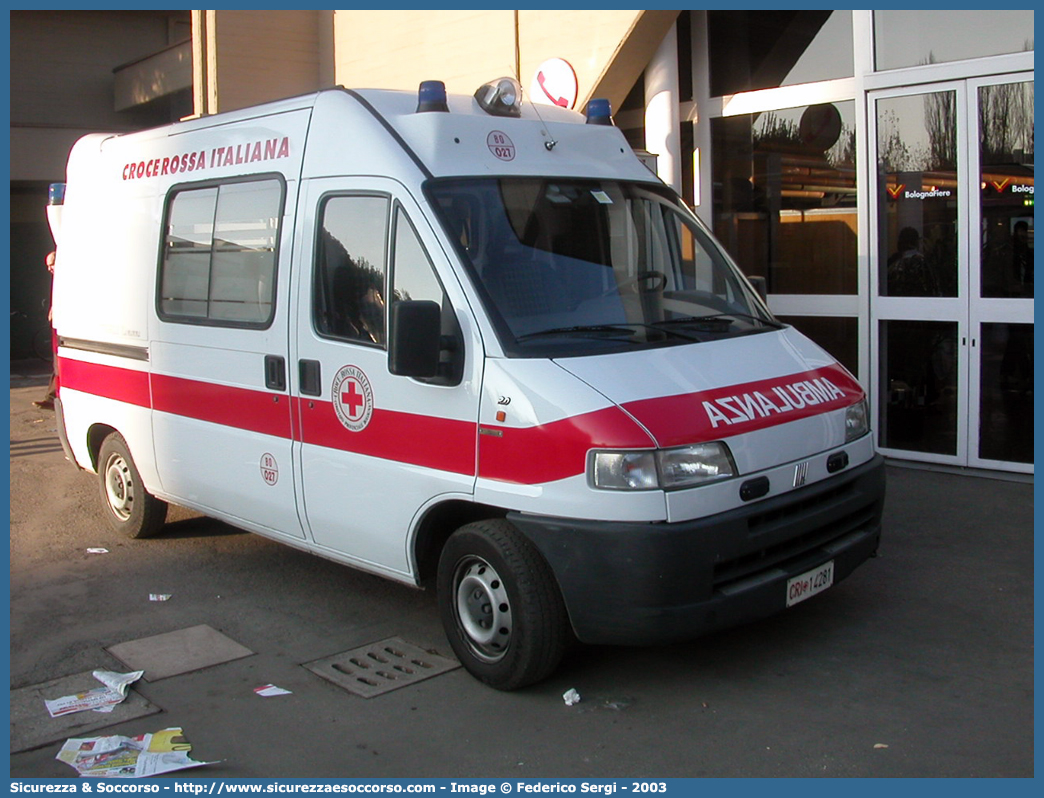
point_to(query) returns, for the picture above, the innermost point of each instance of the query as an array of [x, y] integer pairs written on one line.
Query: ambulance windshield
[[575, 267]]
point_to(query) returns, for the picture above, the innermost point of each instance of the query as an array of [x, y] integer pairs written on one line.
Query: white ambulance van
[[461, 342]]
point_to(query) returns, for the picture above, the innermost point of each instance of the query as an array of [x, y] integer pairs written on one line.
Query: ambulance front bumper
[[643, 584]]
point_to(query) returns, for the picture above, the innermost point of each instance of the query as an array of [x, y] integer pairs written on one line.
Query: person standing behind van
[[47, 403]]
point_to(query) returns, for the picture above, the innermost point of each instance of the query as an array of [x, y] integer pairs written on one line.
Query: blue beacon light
[[599, 112], [431, 96]]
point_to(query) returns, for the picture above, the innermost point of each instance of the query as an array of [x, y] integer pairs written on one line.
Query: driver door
[[374, 449]]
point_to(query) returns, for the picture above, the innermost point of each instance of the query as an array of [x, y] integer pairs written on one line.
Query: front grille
[[808, 539], [763, 521]]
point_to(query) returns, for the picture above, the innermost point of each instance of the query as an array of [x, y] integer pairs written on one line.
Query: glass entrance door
[[1001, 281], [951, 303]]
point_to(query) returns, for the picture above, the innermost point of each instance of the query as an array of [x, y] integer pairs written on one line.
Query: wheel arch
[[96, 436], [434, 529]]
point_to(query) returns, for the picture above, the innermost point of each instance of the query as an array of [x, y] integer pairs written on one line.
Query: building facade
[[72, 73], [874, 168]]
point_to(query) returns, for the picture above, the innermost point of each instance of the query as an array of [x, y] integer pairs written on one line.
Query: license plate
[[809, 583]]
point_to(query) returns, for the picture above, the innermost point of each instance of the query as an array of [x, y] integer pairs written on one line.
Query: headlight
[[693, 465], [624, 470], [683, 467], [857, 421]]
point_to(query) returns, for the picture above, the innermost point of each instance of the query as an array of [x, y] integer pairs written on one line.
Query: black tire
[[131, 510], [500, 605]]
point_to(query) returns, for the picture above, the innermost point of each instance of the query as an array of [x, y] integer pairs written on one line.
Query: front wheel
[[500, 605], [132, 510]]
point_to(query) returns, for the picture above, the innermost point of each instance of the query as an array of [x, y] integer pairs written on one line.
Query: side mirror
[[416, 328], [760, 285]]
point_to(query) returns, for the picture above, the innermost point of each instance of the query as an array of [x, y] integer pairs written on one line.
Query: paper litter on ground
[[268, 690], [120, 757], [100, 699]]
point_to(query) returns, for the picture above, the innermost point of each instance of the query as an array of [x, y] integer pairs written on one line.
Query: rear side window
[[220, 252]]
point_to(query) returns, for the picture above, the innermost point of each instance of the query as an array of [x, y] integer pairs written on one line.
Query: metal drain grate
[[381, 667]]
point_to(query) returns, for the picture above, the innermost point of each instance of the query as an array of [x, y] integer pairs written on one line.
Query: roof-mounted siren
[[501, 97], [55, 201], [599, 112], [431, 96]]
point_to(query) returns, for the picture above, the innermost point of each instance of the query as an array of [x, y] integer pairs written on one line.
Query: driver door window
[[350, 269]]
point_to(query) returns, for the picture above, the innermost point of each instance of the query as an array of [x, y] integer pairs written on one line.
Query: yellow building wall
[[464, 49], [607, 49], [244, 58], [399, 49]]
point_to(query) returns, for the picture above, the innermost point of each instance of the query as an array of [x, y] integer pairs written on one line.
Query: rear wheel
[[500, 605], [132, 510]]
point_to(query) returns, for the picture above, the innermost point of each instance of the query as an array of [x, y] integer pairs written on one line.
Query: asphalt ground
[[920, 664]]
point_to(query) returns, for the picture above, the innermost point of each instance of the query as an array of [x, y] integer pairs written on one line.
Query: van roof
[[464, 141]]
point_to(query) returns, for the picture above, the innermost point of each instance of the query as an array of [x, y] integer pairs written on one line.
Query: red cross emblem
[[352, 398]]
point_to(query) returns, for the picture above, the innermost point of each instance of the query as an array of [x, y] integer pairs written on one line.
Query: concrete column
[[701, 124], [662, 131], [200, 63]]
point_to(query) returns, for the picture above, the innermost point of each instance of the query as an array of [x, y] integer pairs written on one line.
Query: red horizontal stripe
[[439, 443], [737, 409], [529, 455], [548, 452], [241, 408], [111, 382]]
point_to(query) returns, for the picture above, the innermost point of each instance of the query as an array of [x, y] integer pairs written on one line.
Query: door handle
[[310, 375], [275, 373]]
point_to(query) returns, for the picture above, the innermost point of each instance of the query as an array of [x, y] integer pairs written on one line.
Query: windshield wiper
[[626, 329], [578, 328], [722, 317]]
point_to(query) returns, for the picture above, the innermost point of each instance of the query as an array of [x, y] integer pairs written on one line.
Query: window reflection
[[917, 194], [414, 276], [350, 262], [1006, 385], [219, 259], [919, 386], [913, 38], [785, 196], [771, 47], [1006, 189]]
